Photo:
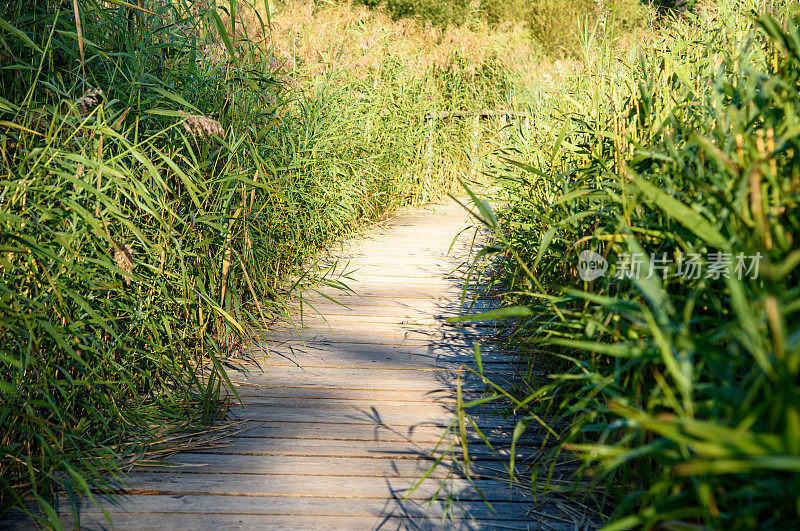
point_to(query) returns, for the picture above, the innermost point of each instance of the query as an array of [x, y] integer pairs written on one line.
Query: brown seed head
[[123, 256], [200, 126], [89, 100]]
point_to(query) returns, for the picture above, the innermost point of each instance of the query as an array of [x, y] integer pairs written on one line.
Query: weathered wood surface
[[342, 422]]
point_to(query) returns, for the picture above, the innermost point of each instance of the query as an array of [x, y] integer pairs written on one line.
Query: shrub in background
[[439, 12], [554, 24]]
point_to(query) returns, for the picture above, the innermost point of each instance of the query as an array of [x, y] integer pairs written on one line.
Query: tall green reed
[[680, 394]]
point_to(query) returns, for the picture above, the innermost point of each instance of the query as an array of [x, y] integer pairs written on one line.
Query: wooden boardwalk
[[340, 425]]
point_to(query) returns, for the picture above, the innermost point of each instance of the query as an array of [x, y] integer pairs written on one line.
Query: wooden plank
[[334, 265], [418, 344], [378, 361], [361, 395], [357, 309], [386, 322], [343, 377], [334, 448], [365, 414], [406, 244], [435, 405], [352, 378], [146, 521], [419, 290], [256, 429], [450, 301], [371, 432], [439, 408], [420, 347], [402, 252], [386, 255], [410, 237], [401, 379], [414, 231], [282, 465], [310, 467], [361, 272], [404, 248], [438, 304], [399, 281], [343, 487], [406, 255], [367, 314], [362, 333], [285, 506], [377, 356], [329, 404]]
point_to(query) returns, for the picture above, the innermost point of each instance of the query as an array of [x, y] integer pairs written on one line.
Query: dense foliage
[[675, 373], [161, 174]]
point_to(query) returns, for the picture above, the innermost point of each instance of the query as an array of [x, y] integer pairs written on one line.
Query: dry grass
[[312, 38]]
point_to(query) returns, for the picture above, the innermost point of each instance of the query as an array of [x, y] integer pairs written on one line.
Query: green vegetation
[[679, 391], [163, 170]]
